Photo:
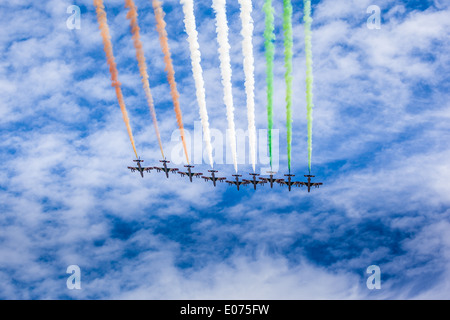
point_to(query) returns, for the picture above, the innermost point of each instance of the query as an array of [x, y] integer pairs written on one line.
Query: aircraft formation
[[222, 30], [255, 180]]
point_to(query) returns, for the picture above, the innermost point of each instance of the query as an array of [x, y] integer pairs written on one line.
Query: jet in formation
[[236, 182], [310, 184], [139, 168], [271, 179], [254, 182], [289, 182], [189, 173], [213, 177], [165, 168]]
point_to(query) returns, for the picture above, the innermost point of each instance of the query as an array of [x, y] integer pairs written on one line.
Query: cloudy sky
[[380, 146]]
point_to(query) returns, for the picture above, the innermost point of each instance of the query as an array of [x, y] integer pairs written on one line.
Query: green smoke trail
[[309, 76], [269, 38], [288, 43]]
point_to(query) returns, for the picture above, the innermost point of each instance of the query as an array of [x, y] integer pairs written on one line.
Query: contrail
[[249, 68], [189, 22], [219, 7], [164, 42], [104, 30], [288, 43], [269, 37], [132, 16], [309, 76]]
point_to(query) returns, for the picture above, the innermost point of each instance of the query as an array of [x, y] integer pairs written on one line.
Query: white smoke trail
[[225, 70], [189, 22], [247, 49]]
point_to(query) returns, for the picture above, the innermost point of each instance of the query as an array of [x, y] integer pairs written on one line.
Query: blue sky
[[380, 145]]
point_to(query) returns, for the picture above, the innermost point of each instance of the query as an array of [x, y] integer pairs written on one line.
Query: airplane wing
[[158, 169], [221, 179], [133, 169], [182, 173], [147, 169], [207, 178], [230, 182], [197, 174], [173, 170], [280, 181], [314, 184]]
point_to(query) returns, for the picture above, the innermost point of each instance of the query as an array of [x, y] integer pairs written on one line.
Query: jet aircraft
[[254, 182], [139, 168], [310, 184], [213, 177], [271, 179], [236, 181], [289, 182], [165, 169], [189, 173]]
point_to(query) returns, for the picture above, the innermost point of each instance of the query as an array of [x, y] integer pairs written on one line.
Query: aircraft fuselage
[[309, 184], [213, 178], [238, 183], [271, 180], [190, 174]]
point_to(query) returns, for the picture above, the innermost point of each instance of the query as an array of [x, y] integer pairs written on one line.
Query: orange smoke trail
[[104, 30], [163, 40], [132, 16]]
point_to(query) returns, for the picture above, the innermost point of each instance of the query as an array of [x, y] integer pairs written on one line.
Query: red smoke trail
[[104, 30], [132, 16], [164, 42]]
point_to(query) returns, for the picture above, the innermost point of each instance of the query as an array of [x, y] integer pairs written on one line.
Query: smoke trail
[[132, 16], [309, 76], [225, 71], [189, 22], [104, 30], [269, 37], [288, 43], [247, 50], [164, 42]]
